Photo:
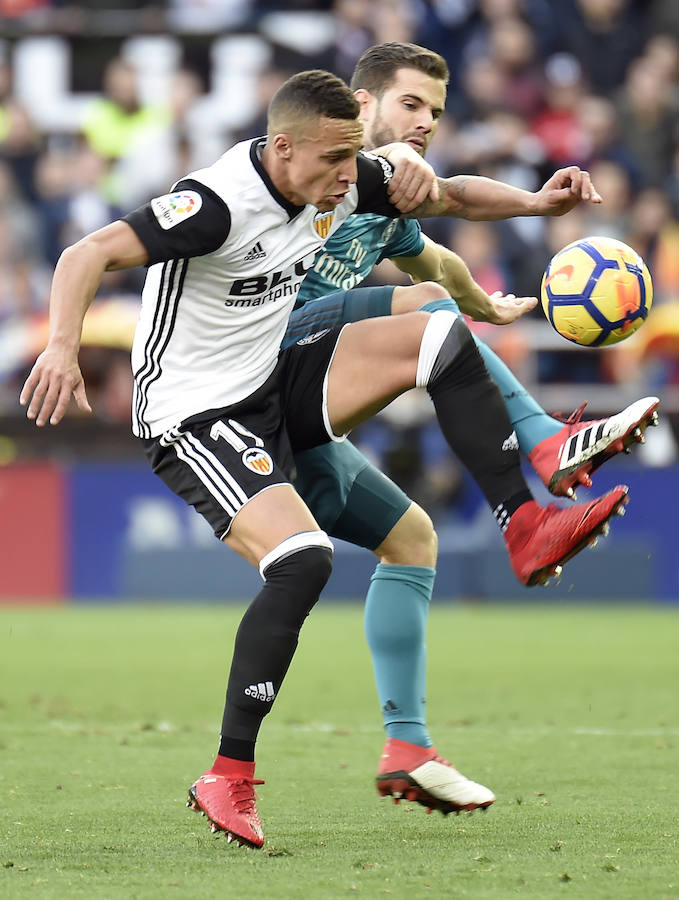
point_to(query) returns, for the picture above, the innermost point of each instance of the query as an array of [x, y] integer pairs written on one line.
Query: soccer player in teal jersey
[[402, 91]]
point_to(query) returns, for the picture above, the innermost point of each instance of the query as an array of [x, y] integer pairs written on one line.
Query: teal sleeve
[[406, 240]]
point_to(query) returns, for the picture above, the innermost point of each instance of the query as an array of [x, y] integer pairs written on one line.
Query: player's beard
[[380, 133]]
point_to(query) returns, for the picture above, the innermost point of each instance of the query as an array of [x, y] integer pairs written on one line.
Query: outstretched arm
[[439, 264], [56, 375], [483, 199]]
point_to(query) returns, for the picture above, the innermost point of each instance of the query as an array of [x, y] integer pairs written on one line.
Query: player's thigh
[[267, 520], [348, 496], [337, 308], [374, 362]]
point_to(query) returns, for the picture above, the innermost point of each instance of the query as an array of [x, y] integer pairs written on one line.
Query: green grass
[[569, 714]]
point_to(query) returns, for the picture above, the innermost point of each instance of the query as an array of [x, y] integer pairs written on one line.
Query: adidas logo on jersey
[[262, 691], [257, 252]]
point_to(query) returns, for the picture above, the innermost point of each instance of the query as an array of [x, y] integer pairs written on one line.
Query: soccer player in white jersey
[[220, 411], [402, 91]]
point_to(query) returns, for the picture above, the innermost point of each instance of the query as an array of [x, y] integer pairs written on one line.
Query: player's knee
[[412, 541], [414, 297], [299, 568], [429, 291], [317, 567], [448, 355]]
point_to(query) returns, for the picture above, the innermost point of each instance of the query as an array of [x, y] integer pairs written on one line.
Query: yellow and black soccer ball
[[596, 291]]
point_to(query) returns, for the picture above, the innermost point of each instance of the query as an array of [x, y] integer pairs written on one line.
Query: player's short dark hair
[[313, 93], [376, 69]]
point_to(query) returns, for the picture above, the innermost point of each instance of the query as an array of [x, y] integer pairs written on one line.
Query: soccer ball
[[596, 291]]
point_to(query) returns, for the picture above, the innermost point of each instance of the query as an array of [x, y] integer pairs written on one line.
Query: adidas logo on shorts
[[512, 442], [257, 252], [312, 338], [262, 691]]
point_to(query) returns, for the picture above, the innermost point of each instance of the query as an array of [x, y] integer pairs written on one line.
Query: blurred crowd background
[[103, 105]]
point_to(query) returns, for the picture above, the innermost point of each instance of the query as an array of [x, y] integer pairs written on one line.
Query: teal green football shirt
[[350, 254]]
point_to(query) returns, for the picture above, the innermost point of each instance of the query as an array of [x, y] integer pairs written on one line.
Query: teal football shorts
[[338, 308], [348, 496]]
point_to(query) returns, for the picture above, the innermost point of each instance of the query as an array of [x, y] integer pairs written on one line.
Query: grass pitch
[[569, 714]]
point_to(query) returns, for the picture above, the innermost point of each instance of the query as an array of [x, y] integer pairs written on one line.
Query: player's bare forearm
[[56, 376], [75, 282], [480, 199], [438, 263], [78, 275]]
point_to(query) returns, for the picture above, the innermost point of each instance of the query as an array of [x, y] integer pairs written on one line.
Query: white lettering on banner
[[153, 522], [156, 523]]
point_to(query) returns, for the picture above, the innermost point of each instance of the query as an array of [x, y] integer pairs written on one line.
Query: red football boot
[[419, 774], [540, 539], [229, 804], [568, 458]]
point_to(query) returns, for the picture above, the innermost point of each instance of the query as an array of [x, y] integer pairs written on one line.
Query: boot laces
[[242, 794], [574, 417]]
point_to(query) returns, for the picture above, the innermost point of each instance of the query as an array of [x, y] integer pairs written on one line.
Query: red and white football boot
[[419, 774], [568, 458]]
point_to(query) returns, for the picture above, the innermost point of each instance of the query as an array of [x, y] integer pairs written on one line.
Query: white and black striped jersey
[[227, 254]]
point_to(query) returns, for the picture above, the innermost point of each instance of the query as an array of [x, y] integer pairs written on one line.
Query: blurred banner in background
[[113, 532]]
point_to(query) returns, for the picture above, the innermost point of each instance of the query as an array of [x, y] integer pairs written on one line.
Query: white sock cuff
[[296, 542], [435, 333]]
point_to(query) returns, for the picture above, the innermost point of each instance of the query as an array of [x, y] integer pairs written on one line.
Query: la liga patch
[[171, 209]]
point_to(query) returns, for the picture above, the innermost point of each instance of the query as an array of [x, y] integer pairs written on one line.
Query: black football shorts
[[219, 459]]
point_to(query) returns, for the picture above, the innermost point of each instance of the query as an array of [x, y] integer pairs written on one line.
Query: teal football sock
[[396, 609], [531, 423]]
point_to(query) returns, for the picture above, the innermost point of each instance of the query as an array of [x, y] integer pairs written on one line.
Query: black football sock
[[266, 642], [471, 413]]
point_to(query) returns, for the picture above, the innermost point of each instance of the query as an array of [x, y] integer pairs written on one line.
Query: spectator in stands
[[24, 280], [482, 88], [601, 136], [54, 180], [648, 120], [513, 46], [171, 141], [354, 35], [612, 217], [20, 146], [5, 94], [672, 184], [604, 35], [654, 233], [556, 124], [662, 51], [119, 119]]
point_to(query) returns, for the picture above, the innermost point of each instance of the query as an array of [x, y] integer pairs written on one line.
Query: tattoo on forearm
[[460, 187], [457, 188], [452, 201]]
